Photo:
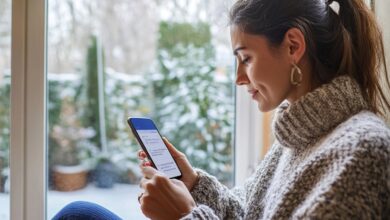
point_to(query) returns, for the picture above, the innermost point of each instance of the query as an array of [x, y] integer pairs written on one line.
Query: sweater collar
[[305, 121]]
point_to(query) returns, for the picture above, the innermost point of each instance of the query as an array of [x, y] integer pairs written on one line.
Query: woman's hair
[[348, 42]]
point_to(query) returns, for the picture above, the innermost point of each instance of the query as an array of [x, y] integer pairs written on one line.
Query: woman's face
[[263, 69]]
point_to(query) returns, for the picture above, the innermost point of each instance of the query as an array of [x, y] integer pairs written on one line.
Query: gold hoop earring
[[296, 80]]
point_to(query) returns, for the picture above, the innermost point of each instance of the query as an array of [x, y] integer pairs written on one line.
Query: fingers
[[175, 153], [144, 160], [141, 155], [139, 197], [148, 172], [177, 182], [143, 182], [163, 196], [158, 181], [148, 205], [144, 164]]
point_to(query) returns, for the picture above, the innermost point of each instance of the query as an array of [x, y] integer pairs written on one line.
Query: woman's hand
[[164, 198], [189, 176]]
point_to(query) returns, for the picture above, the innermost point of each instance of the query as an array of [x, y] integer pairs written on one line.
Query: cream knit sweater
[[330, 160]]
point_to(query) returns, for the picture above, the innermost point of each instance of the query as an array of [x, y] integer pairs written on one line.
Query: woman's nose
[[241, 78]]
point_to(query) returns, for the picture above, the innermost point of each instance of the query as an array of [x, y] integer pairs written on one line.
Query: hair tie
[[334, 6]]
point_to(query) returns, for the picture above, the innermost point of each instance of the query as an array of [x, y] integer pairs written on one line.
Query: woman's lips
[[253, 93]]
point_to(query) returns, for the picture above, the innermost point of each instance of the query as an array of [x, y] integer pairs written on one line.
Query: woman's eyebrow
[[237, 49]]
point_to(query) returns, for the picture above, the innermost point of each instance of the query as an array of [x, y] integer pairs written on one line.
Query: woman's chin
[[264, 106]]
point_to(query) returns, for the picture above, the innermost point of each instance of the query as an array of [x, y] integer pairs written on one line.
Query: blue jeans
[[85, 211]]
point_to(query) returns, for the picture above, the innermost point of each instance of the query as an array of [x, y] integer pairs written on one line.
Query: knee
[[80, 205], [80, 210]]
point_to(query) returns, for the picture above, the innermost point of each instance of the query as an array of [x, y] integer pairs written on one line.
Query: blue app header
[[142, 124]]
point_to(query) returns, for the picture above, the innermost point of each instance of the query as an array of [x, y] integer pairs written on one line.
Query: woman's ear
[[295, 43]]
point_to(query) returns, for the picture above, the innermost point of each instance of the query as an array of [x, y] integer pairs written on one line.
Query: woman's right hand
[[189, 175]]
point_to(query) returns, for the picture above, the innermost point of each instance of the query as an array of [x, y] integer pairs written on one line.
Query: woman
[[331, 157], [319, 66]]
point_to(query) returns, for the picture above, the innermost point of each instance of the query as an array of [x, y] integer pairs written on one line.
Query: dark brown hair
[[348, 42]]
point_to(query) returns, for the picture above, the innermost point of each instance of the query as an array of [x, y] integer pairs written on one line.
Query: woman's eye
[[245, 60]]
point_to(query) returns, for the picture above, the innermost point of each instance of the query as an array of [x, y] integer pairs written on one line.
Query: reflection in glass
[[108, 60]]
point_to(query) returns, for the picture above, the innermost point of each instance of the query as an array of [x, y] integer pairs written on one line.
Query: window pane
[[5, 85], [108, 60]]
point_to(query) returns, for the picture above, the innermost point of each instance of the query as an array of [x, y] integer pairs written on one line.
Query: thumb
[[175, 153]]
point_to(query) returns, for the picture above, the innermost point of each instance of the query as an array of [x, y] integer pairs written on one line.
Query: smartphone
[[152, 143]]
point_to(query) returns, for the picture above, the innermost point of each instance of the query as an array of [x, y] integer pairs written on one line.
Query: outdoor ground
[[122, 200]]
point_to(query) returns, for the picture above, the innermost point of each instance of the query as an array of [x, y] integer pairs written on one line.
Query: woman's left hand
[[164, 198]]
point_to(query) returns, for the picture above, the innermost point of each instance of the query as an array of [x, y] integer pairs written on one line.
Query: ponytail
[[363, 52]]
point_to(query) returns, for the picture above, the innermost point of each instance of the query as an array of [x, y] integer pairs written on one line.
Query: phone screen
[[150, 139]]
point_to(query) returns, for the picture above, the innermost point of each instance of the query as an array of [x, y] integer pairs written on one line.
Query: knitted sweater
[[330, 160]]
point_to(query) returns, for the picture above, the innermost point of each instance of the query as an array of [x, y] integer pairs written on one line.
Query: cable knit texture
[[330, 160]]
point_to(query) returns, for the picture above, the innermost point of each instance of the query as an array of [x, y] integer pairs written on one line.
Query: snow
[[70, 169], [63, 77], [122, 200]]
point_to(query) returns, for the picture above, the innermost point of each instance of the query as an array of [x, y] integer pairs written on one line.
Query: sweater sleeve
[[201, 212], [216, 201], [358, 188]]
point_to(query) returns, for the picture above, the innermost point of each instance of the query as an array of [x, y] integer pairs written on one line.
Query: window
[[5, 88], [105, 64], [132, 64]]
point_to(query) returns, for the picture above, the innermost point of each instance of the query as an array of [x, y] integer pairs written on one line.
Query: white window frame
[[28, 174], [248, 135], [28, 110]]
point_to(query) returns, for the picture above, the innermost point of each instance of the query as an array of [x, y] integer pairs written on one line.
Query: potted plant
[[1, 173], [128, 163], [119, 164], [72, 152], [4, 170], [133, 172], [5, 174], [105, 172]]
